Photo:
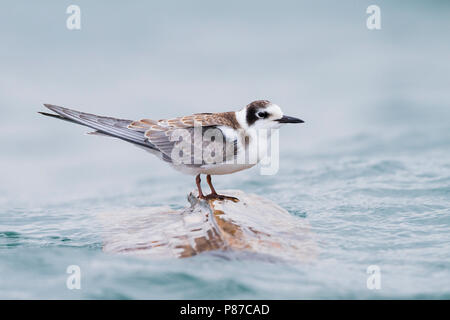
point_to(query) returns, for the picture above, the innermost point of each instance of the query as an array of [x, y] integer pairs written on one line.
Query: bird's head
[[263, 114]]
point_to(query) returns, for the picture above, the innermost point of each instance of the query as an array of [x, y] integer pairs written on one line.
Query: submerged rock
[[254, 224]]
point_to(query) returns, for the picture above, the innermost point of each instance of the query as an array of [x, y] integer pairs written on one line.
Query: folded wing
[[193, 132]]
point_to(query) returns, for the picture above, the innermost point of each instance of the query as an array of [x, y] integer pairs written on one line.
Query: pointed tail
[[113, 127]]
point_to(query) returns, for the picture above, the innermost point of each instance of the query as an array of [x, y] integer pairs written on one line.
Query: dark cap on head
[[258, 104], [253, 108]]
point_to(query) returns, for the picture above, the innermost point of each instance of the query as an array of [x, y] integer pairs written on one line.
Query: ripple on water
[[392, 211]]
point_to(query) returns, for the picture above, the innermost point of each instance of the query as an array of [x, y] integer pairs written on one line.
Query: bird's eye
[[261, 114]]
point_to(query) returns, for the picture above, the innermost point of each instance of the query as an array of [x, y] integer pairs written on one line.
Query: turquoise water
[[369, 170]]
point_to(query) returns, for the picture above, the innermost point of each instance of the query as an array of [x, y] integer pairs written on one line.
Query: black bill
[[287, 119]]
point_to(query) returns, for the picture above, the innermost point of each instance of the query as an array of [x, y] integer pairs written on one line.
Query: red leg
[[208, 179], [199, 187], [213, 195]]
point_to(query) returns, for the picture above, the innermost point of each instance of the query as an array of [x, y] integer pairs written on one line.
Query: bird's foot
[[215, 196]]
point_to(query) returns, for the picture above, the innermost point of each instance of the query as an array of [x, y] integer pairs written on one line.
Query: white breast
[[233, 165]]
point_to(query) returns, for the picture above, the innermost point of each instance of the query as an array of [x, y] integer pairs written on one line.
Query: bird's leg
[[208, 179], [214, 195], [199, 187]]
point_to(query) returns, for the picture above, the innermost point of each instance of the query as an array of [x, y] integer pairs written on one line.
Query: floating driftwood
[[254, 224]]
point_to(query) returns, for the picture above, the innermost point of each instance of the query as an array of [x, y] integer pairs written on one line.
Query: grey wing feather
[[164, 142], [117, 128]]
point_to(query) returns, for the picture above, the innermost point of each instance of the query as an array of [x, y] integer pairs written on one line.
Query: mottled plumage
[[215, 141]]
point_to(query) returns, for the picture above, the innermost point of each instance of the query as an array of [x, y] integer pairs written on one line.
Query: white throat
[[241, 118]]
